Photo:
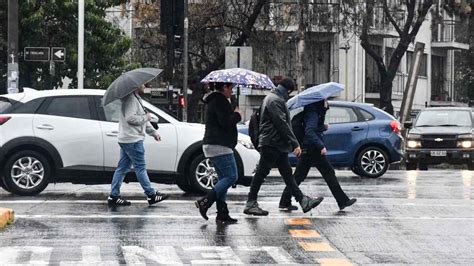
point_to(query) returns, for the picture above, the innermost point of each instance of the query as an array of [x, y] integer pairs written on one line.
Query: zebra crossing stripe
[[303, 233]]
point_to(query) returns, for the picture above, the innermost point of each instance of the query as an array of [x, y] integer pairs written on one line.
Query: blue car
[[360, 136]]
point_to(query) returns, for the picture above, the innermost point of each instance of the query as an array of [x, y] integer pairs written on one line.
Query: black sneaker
[[308, 203], [157, 198], [117, 201], [288, 207], [347, 204]]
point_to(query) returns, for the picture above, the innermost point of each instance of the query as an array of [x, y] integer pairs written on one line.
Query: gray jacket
[[132, 121], [275, 123]]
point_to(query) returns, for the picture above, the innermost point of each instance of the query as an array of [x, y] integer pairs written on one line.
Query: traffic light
[[181, 101], [172, 24]]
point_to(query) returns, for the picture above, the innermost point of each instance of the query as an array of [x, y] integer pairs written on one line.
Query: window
[[423, 67], [75, 107], [112, 112], [30, 107], [5, 104], [338, 114], [366, 115]]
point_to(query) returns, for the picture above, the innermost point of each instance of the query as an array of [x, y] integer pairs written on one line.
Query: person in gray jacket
[[276, 139], [134, 122]]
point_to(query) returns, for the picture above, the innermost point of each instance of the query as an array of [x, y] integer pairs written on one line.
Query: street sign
[[36, 53], [58, 54]]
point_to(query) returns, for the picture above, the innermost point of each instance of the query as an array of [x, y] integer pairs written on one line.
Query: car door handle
[[357, 129], [112, 134], [45, 126]]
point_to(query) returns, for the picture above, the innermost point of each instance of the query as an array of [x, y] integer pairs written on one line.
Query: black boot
[[223, 214], [205, 203]]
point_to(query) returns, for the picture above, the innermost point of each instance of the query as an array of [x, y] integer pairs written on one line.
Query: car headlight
[[413, 144], [246, 143], [413, 136], [465, 144]]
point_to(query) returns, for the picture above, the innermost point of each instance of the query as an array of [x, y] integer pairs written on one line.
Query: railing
[[441, 89], [381, 23], [398, 84], [322, 16], [450, 31]]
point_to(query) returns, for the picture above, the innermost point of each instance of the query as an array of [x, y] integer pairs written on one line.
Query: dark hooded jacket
[[275, 123], [314, 116], [221, 121]]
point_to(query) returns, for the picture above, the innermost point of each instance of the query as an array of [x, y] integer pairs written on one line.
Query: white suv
[[67, 136]]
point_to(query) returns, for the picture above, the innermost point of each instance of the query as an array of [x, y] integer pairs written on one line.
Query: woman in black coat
[[219, 141]]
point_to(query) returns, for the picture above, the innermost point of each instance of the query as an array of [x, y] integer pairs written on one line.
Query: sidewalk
[[6, 217]]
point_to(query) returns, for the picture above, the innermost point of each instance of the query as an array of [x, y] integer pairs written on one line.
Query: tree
[[54, 24], [407, 28]]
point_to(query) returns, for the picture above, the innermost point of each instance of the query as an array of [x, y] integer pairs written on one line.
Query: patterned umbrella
[[239, 76]]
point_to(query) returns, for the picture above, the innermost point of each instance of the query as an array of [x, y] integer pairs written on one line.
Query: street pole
[[80, 45], [12, 49], [185, 62]]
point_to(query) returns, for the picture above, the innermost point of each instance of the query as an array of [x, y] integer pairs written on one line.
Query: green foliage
[[45, 23]]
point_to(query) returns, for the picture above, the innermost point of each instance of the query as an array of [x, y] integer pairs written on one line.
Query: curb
[[6, 217]]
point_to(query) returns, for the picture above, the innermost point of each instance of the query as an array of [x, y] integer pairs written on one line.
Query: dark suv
[[440, 135]]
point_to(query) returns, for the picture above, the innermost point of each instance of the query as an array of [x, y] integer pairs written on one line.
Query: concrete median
[[6, 217]]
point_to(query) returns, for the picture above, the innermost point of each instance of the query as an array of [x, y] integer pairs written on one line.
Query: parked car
[[440, 135], [66, 135], [360, 136]]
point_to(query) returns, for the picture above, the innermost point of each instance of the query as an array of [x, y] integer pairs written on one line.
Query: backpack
[[254, 127], [297, 124]]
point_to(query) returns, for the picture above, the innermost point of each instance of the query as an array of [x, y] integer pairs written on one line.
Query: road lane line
[[133, 216], [333, 262], [316, 246], [303, 233], [297, 221]]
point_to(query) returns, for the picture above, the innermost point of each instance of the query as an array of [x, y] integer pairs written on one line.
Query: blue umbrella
[[314, 94], [239, 76]]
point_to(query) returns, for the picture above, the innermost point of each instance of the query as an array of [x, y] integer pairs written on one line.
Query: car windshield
[[447, 118]]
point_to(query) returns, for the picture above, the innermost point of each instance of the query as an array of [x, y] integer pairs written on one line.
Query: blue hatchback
[[360, 136]]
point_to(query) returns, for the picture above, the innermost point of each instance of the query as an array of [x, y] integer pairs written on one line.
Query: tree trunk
[[386, 82]]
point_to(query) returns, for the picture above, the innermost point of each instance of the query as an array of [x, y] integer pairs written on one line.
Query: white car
[[67, 136]]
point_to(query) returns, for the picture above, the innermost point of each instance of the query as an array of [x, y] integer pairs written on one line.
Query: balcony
[[380, 26], [284, 16], [449, 35]]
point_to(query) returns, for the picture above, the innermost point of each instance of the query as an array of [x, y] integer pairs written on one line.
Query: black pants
[[307, 158], [269, 157]]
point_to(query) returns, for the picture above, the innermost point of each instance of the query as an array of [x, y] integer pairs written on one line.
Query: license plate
[[438, 153]]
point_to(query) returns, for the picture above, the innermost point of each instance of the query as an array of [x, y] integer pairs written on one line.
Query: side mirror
[[408, 124]]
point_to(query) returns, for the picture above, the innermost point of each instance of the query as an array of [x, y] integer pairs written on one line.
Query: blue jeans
[[131, 153], [226, 169]]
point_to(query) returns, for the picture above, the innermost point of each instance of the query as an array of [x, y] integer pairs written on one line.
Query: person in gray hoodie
[[134, 123]]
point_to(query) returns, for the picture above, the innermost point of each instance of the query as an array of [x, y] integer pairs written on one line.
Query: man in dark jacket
[[276, 139], [314, 152]]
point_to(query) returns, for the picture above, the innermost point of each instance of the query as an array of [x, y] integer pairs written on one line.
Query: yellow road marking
[[304, 233], [297, 221], [316, 246], [331, 262]]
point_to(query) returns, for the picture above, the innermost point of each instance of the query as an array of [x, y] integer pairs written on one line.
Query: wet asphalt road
[[401, 218]]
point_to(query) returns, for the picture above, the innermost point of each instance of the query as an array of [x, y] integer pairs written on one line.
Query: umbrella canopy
[[128, 82], [239, 76], [314, 94]]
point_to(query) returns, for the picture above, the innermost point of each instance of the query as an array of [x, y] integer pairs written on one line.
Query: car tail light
[[4, 119], [395, 125]]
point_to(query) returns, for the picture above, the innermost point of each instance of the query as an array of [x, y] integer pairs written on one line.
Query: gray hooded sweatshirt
[[132, 121]]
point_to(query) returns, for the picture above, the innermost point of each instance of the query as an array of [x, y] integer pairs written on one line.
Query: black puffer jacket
[[275, 123], [221, 121]]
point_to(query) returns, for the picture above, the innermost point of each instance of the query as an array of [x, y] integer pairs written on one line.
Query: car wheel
[[410, 166], [2, 184], [357, 171], [422, 166], [184, 185], [372, 162], [201, 174], [27, 173]]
